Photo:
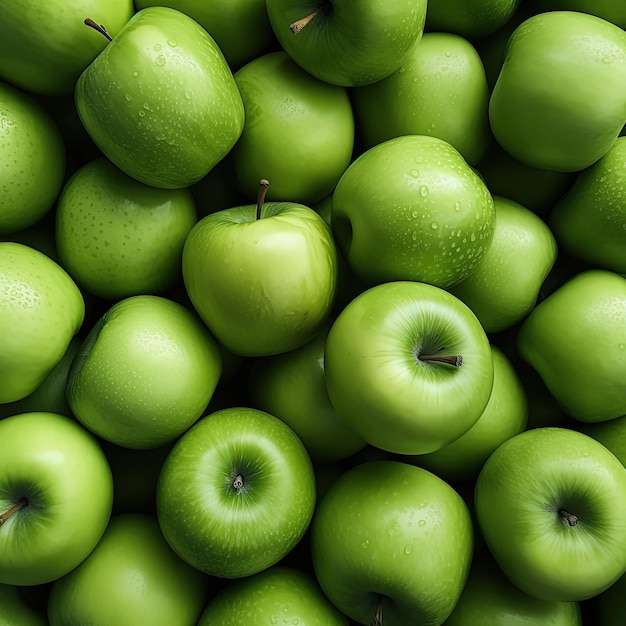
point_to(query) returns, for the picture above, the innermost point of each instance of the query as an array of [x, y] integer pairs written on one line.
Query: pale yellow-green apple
[[41, 309]]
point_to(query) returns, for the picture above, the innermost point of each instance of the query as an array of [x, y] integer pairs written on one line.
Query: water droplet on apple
[[424, 191], [142, 113], [128, 97], [621, 346], [415, 173], [157, 47], [434, 226], [457, 206], [171, 43], [135, 74], [421, 523], [160, 60], [448, 53], [188, 95], [408, 549], [414, 214], [365, 544]]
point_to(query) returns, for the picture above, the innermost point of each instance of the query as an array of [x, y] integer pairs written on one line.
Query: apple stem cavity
[[298, 25], [98, 27], [263, 185], [14, 509], [238, 483], [456, 360], [570, 518], [377, 620]]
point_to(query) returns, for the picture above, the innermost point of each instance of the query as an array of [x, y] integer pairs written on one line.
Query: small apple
[[56, 493]]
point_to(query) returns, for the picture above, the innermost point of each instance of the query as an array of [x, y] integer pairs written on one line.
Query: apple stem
[[98, 27], [570, 518], [263, 185], [377, 620], [298, 25], [238, 483], [14, 509], [450, 359]]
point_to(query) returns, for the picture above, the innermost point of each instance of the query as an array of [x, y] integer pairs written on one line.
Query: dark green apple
[[14, 611], [611, 604]]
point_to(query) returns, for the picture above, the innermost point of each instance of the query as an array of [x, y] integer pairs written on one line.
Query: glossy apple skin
[[505, 285], [213, 526], [118, 237], [559, 103], [145, 372], [131, 577], [279, 594], [171, 137], [576, 340], [411, 208], [59, 467], [298, 132], [41, 309], [390, 530], [439, 90], [519, 494], [262, 286], [377, 384], [606, 9], [351, 42]]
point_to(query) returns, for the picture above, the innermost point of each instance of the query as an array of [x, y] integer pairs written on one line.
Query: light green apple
[[576, 340], [298, 131], [611, 433], [392, 544], [411, 208], [56, 493], [118, 237], [160, 100], [439, 90], [553, 500], [607, 9], [559, 102], [32, 160], [41, 309], [589, 221], [347, 42], [15, 611], [131, 577], [145, 372], [505, 286], [408, 366]]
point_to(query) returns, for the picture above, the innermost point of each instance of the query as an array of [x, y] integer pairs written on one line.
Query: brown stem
[[570, 518], [238, 483], [298, 25], [98, 27], [263, 185], [450, 359], [377, 620], [14, 509]]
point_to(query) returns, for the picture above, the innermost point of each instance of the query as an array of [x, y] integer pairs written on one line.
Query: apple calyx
[[263, 185], [238, 483], [98, 27], [14, 509], [377, 620], [570, 518], [298, 25]]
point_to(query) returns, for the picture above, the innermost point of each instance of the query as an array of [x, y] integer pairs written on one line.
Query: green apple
[[440, 90], [347, 42], [611, 604], [559, 101], [298, 131], [411, 208], [551, 507], [160, 100], [261, 277], [576, 340], [131, 577], [611, 434], [56, 493], [490, 598], [607, 9], [408, 366], [292, 386], [505, 286], [41, 309], [236, 493], [589, 221], [505, 415], [277, 595], [45, 46], [241, 29], [145, 372], [14, 610], [118, 237], [392, 544]]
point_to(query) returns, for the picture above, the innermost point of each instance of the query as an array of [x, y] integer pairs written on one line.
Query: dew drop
[[157, 47], [457, 206], [408, 549], [188, 95], [142, 113], [421, 523], [160, 60], [128, 97], [621, 346], [434, 226], [135, 74], [171, 43], [424, 191], [415, 173]]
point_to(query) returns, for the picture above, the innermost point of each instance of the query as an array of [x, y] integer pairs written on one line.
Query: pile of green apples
[[313, 313]]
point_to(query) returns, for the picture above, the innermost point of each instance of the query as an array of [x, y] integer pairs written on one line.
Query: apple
[[611, 433], [576, 340], [118, 237], [589, 221], [611, 604], [145, 372], [392, 544], [41, 309], [131, 577], [298, 131], [505, 286], [408, 366], [347, 42], [553, 500], [15, 611], [56, 493], [236, 493], [607, 9], [277, 595], [160, 100], [262, 277], [292, 386], [559, 103], [32, 160], [411, 208]]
